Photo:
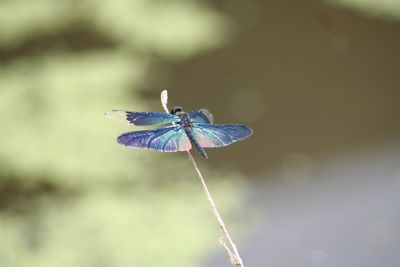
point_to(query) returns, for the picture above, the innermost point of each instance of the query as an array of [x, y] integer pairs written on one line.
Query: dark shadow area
[[19, 198], [75, 37], [321, 80]]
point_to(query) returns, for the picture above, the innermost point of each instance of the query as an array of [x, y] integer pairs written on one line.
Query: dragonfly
[[185, 130]]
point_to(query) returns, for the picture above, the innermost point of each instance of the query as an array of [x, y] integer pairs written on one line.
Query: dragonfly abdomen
[[201, 150]]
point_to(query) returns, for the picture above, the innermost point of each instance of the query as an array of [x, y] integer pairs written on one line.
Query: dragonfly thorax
[[185, 120]]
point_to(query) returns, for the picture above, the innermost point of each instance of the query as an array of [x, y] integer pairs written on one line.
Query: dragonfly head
[[176, 110]]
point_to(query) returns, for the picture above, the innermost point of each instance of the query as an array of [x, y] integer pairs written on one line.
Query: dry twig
[[230, 246]]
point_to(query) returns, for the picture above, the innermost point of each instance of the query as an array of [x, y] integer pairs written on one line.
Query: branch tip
[[164, 97]]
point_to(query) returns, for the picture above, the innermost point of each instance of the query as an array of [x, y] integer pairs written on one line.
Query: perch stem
[[232, 250]]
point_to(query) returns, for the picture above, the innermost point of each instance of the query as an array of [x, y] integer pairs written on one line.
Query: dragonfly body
[[194, 127], [184, 121], [187, 125]]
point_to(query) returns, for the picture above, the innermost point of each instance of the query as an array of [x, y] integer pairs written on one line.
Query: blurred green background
[[312, 78]]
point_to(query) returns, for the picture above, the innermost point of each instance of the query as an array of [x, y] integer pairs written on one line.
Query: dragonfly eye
[[176, 109]]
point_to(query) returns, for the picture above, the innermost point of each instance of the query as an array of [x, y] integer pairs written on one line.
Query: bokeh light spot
[[379, 232], [340, 43], [296, 168], [318, 257], [397, 178], [245, 13], [247, 105]]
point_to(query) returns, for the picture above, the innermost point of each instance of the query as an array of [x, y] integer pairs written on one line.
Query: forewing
[[217, 135], [165, 139], [141, 118], [201, 116]]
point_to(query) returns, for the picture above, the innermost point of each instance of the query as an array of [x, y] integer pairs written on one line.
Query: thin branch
[[233, 252]]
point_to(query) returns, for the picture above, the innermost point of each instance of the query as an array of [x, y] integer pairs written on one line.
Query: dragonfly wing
[[201, 116], [217, 135], [165, 139], [141, 118]]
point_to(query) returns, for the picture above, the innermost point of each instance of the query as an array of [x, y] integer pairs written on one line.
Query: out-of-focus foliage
[[51, 113], [169, 28], [381, 8], [69, 195], [108, 227]]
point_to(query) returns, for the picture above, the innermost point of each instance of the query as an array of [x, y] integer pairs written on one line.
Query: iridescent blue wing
[[167, 139], [201, 116], [141, 118], [217, 135]]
